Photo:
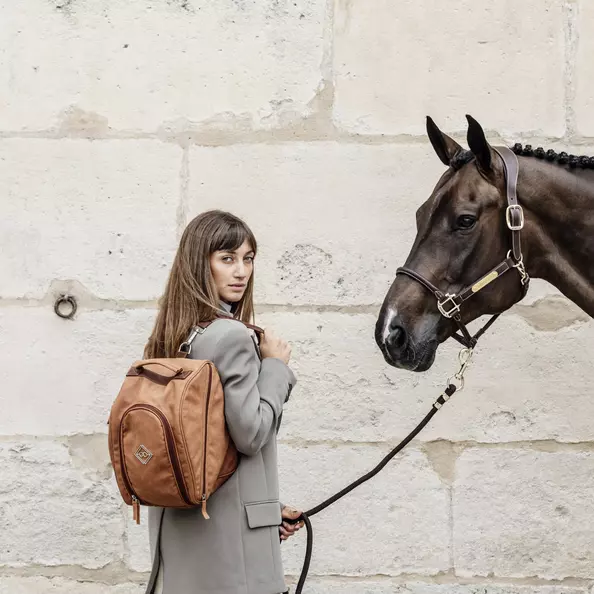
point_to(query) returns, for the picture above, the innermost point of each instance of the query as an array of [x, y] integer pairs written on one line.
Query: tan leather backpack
[[168, 440]]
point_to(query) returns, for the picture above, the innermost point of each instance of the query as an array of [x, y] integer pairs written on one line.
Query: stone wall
[[119, 121]]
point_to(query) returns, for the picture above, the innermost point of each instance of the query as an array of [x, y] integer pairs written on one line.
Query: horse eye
[[465, 222]]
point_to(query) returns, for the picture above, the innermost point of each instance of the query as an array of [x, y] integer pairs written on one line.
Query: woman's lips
[[237, 287]]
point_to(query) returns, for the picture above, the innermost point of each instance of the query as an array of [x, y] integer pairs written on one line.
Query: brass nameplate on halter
[[485, 281]]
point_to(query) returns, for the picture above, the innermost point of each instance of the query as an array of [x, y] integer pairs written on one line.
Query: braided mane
[[552, 157]]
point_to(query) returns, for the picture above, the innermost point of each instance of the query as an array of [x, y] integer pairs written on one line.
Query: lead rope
[[458, 378]]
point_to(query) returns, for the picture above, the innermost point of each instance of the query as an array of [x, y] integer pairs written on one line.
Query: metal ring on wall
[[60, 301]]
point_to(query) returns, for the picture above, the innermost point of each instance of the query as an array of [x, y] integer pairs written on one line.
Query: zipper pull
[[204, 512], [135, 509]]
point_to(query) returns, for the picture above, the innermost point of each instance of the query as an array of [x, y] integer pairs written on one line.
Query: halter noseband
[[449, 304]]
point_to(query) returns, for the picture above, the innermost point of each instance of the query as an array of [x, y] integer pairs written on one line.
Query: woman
[[237, 550]]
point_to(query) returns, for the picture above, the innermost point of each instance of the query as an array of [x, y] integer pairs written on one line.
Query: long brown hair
[[190, 294]]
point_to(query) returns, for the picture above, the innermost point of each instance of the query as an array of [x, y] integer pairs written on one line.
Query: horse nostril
[[397, 338], [395, 323]]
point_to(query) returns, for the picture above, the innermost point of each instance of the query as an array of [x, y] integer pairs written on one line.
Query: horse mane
[[552, 157], [460, 159]]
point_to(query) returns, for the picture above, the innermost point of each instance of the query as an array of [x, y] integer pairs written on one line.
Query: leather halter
[[449, 304]]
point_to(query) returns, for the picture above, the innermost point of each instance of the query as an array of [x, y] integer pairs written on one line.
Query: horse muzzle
[[399, 347]]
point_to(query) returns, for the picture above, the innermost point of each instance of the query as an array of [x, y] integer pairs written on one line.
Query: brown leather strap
[[466, 339], [256, 329], [157, 378], [186, 346], [487, 279], [514, 215], [452, 303], [422, 280]]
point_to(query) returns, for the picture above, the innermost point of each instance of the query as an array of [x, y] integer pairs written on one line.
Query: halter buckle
[[508, 217], [447, 307]]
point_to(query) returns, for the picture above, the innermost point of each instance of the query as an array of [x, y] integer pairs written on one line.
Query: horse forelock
[[460, 159]]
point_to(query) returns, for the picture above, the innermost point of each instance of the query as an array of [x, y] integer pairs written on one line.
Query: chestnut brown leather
[[168, 441]]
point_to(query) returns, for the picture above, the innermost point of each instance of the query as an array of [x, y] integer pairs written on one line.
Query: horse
[[495, 218]]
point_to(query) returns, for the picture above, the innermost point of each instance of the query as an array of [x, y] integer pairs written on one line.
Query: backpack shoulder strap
[[256, 329], [186, 346]]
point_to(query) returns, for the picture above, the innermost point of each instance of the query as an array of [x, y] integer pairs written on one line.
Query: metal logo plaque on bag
[[143, 454]]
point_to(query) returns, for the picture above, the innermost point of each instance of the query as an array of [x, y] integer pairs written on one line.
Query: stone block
[[42, 585], [103, 213], [396, 62], [396, 523], [333, 221], [584, 86], [523, 384], [524, 513], [89, 66], [52, 513], [58, 585], [61, 377], [138, 554], [345, 390], [379, 585]]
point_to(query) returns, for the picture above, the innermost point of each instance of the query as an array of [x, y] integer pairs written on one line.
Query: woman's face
[[231, 271]]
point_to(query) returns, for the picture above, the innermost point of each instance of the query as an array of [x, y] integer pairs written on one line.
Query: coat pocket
[[263, 513]]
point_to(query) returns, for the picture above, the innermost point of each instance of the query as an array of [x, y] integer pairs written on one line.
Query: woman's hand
[[274, 347], [287, 529]]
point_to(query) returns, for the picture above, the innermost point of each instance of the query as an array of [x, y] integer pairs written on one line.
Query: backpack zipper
[[172, 452], [135, 500], [135, 509]]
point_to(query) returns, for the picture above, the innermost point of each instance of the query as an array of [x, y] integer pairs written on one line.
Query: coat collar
[[226, 307]]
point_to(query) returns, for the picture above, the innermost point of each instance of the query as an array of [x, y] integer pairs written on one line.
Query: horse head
[[463, 243]]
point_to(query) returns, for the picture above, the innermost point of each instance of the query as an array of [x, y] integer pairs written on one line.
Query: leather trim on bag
[[162, 380]]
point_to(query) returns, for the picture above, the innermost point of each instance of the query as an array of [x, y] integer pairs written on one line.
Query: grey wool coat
[[236, 551]]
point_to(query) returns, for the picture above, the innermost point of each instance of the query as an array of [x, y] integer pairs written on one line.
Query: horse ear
[[478, 144], [444, 146]]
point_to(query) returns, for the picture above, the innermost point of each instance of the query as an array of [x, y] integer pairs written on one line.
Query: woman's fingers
[[290, 527], [286, 530], [284, 533]]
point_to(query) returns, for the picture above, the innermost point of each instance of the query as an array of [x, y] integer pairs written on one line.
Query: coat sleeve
[[254, 392]]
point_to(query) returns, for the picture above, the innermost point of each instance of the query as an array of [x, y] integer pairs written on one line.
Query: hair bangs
[[231, 237]]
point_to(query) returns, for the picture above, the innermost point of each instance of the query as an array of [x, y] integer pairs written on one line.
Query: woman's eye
[[227, 259], [249, 259], [465, 222]]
